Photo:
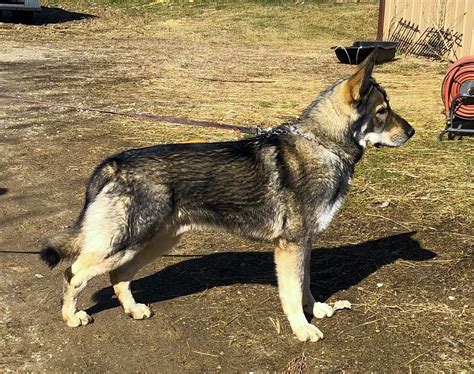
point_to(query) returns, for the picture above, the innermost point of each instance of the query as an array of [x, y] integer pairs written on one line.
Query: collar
[[284, 129]]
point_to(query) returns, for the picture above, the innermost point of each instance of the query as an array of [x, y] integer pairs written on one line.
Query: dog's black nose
[[411, 132]]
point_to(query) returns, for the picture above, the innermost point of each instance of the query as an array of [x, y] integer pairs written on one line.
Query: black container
[[360, 50]]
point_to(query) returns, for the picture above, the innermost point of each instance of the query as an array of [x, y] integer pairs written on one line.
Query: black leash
[[150, 117]]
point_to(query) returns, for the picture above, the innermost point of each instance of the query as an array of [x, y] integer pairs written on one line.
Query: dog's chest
[[327, 214], [333, 198]]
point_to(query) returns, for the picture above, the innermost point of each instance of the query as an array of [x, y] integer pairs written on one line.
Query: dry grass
[[429, 179], [297, 365], [240, 64], [253, 64]]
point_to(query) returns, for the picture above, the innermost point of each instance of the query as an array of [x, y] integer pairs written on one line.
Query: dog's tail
[[62, 246], [69, 243]]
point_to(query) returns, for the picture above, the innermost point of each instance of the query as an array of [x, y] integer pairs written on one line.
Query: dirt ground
[[400, 251]]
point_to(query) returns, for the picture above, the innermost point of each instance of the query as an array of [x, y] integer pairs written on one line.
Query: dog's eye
[[382, 110]]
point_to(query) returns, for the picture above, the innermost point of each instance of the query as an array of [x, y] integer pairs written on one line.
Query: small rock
[[381, 204], [379, 285], [342, 304], [451, 298], [384, 204], [38, 276]]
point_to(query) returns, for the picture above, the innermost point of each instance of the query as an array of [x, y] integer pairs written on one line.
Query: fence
[[455, 15]]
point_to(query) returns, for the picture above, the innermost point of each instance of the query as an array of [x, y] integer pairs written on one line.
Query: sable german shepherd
[[283, 186]]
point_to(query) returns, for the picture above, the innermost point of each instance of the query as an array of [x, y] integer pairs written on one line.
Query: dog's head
[[375, 122]]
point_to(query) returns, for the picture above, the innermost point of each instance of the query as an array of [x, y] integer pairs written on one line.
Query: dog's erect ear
[[359, 83]]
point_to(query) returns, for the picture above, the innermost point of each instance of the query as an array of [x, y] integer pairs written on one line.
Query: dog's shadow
[[332, 270]]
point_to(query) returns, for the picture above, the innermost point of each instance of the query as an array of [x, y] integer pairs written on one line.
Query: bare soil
[[400, 251]]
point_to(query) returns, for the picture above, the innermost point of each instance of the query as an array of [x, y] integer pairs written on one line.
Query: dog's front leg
[[290, 266], [311, 306]]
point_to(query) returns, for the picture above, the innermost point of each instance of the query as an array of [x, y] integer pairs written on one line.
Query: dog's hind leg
[[122, 276], [310, 305], [106, 246], [71, 291], [290, 267], [87, 266]]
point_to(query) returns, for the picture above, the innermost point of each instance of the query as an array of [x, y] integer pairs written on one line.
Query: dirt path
[[407, 268]]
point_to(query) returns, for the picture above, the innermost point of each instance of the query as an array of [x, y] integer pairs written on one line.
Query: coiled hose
[[459, 80]]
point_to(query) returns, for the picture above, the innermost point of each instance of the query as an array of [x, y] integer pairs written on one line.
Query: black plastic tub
[[360, 50]]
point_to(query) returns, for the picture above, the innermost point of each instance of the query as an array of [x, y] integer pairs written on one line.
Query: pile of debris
[[434, 43]]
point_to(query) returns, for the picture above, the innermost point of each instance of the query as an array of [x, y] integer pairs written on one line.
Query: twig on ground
[[421, 354], [276, 323], [206, 354], [391, 220], [243, 311], [369, 322]]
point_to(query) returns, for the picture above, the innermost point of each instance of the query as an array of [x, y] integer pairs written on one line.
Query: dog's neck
[[330, 119]]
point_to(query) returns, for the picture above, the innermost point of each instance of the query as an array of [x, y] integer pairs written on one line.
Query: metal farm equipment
[[457, 92]]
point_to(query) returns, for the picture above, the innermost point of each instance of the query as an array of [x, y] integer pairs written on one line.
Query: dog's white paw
[[80, 318], [321, 310], [139, 311], [307, 331]]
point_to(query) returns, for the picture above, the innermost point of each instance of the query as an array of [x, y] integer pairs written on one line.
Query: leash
[[146, 116]]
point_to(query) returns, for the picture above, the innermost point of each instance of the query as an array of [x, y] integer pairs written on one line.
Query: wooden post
[[381, 19]]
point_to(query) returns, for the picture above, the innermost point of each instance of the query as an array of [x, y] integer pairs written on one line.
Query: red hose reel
[[457, 92]]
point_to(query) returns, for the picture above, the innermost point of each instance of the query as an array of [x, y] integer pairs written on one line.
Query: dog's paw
[[80, 318], [321, 310], [307, 331], [139, 311]]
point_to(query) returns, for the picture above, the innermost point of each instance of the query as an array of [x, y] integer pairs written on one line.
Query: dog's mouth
[[381, 145], [393, 142], [385, 139]]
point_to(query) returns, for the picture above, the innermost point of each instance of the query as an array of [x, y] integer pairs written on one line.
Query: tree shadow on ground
[[46, 16], [332, 270]]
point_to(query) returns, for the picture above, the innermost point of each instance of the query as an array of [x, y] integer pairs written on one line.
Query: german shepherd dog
[[283, 186]]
